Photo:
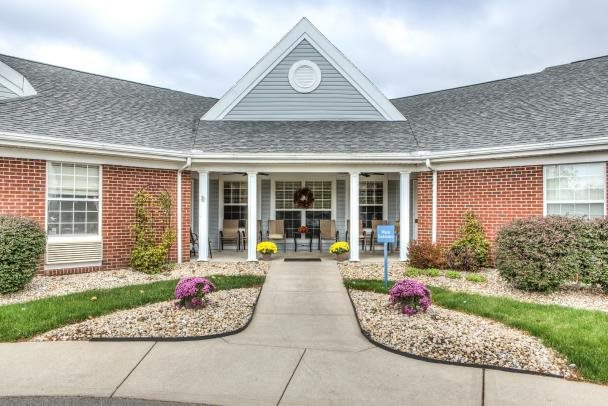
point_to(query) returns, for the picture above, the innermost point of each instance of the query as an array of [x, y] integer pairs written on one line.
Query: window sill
[[73, 239]]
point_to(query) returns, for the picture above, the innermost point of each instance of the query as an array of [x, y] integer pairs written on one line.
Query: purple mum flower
[[190, 292], [411, 296]]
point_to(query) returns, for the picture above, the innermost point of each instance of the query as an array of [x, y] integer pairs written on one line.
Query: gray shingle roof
[[88, 107], [305, 136], [566, 102]]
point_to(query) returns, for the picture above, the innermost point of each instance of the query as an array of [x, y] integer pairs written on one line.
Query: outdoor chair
[[327, 232], [258, 234], [276, 233], [230, 233], [362, 233], [194, 245], [374, 237]]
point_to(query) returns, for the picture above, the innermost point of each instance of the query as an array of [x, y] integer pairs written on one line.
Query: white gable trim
[[15, 81], [304, 30]]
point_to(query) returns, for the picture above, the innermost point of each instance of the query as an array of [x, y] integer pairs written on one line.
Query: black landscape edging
[[189, 338], [367, 335]]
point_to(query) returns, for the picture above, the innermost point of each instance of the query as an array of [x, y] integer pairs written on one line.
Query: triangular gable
[[369, 102]]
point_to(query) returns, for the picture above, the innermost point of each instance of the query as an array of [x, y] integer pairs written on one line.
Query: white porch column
[[354, 216], [404, 214], [203, 216], [252, 224]]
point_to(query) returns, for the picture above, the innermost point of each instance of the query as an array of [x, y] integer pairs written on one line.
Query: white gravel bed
[[226, 311], [457, 337], [569, 295], [45, 286]]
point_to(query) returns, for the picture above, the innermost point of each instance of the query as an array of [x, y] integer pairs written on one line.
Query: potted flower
[[303, 230], [340, 249], [266, 248], [191, 292]]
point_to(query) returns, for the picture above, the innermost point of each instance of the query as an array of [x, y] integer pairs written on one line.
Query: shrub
[[539, 254], [267, 247], [472, 277], [412, 272], [452, 274], [22, 244], [340, 247], [153, 233], [424, 254], [410, 296], [471, 251], [592, 248], [191, 292], [432, 272]]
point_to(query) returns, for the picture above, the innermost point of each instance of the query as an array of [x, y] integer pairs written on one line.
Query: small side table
[[302, 242]]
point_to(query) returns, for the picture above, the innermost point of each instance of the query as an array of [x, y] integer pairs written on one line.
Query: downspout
[[434, 204], [179, 209]]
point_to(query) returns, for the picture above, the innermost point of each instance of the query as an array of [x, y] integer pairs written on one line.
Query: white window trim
[[545, 202], [51, 239], [376, 178]]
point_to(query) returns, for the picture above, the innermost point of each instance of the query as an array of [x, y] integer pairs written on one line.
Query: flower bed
[[45, 286], [452, 336], [494, 285], [226, 311]]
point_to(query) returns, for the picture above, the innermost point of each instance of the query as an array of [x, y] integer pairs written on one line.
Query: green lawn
[[580, 335], [24, 320]]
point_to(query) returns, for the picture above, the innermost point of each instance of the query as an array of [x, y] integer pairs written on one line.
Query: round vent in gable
[[304, 76]]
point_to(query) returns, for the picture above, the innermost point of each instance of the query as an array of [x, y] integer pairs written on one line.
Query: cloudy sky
[[405, 47]]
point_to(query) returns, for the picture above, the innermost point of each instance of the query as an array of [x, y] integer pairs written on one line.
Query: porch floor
[[230, 255]]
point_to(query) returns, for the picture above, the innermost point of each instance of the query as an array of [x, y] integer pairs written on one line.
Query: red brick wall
[[23, 188], [496, 195], [120, 184]]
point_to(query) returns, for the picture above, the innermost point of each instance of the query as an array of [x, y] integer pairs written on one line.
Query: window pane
[[74, 189], [575, 189], [553, 209], [596, 210]]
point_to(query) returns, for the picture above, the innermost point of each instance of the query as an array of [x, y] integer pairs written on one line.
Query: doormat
[[302, 259]]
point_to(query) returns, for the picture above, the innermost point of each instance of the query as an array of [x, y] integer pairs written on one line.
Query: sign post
[[386, 235]]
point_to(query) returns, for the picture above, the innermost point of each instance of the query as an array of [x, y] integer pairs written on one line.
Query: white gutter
[[434, 204], [179, 209], [88, 147]]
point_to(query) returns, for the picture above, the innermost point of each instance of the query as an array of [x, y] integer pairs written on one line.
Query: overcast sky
[[405, 47]]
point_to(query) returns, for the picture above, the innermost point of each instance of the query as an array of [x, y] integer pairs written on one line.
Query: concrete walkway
[[303, 347]]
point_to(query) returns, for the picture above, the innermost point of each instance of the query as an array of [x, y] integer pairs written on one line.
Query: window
[[575, 190], [295, 217], [371, 201], [73, 199], [235, 202], [285, 209]]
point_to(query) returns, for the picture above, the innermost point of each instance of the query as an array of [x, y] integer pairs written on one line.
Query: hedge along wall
[[496, 195], [120, 183]]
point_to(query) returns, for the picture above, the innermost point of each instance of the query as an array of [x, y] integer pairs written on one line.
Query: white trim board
[[15, 81], [304, 29]]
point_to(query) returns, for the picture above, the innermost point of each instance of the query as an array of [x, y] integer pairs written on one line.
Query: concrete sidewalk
[[303, 347]]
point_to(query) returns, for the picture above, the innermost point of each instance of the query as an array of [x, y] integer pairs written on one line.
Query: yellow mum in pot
[[339, 247], [266, 247]]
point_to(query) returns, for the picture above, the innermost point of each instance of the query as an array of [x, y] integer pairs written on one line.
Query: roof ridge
[[501, 79], [105, 76]]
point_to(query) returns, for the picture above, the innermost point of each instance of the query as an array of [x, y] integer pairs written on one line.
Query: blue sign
[[386, 234]]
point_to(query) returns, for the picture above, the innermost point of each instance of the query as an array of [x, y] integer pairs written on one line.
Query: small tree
[[471, 251], [153, 233]]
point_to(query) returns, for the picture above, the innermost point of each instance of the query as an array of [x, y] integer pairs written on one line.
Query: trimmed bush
[[22, 244], [424, 254], [471, 251], [542, 254], [452, 274], [432, 272], [473, 277], [412, 272]]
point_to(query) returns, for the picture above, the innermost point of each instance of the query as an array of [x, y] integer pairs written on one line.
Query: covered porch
[[351, 202]]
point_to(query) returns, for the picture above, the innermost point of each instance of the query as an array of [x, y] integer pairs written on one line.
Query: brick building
[[75, 148]]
